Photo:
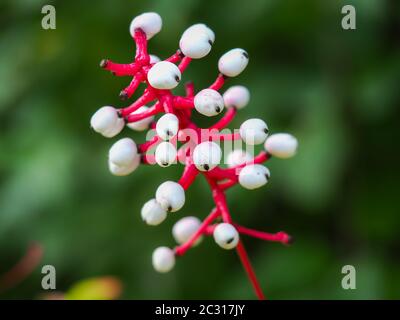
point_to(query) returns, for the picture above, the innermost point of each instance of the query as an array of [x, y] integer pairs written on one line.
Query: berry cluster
[[200, 152]]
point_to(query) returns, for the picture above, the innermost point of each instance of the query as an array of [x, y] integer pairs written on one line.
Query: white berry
[[254, 131], [281, 145], [164, 75], [238, 157], [143, 124], [226, 236], [107, 122], [209, 102], [236, 97], [171, 196], [123, 152], [124, 170], [152, 213], [254, 176], [167, 126], [149, 22], [163, 259], [165, 154], [154, 59], [196, 41], [185, 228], [207, 155], [233, 62]]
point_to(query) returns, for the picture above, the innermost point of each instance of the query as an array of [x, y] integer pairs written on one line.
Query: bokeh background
[[336, 90]]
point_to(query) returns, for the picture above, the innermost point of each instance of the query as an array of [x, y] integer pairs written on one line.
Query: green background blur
[[337, 91]]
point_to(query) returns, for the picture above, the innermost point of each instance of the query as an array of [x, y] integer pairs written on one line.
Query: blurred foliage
[[336, 90]]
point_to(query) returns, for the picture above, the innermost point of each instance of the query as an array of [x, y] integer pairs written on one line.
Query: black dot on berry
[[206, 167], [266, 130], [230, 240], [103, 63], [245, 54], [177, 79], [218, 109]]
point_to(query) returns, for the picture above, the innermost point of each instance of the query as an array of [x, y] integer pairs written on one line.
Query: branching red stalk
[[219, 179]]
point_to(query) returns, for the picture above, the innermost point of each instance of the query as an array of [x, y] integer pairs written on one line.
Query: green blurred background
[[336, 90]]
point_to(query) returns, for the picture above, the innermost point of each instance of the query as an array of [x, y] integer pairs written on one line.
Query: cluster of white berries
[[170, 197], [195, 43]]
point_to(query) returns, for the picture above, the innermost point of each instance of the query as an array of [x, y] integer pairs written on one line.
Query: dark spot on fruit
[[210, 42], [266, 130], [206, 167], [218, 109], [245, 54], [123, 95], [103, 63], [169, 208], [230, 240], [177, 79]]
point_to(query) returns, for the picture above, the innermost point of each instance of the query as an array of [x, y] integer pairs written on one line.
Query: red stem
[[241, 251], [181, 250], [218, 83], [177, 56], [120, 69], [147, 97], [184, 64], [188, 176], [280, 236], [145, 114], [225, 120], [148, 144], [142, 56], [183, 102]]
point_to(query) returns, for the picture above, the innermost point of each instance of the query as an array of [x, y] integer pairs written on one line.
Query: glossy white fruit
[[238, 157], [196, 41], [123, 152], [254, 176], [206, 156], [236, 97], [209, 102], [154, 59], [226, 236], [167, 126], [281, 145], [152, 213], [163, 259], [171, 196], [164, 75], [149, 22], [254, 131], [123, 170], [165, 154], [106, 122], [233, 62], [184, 228]]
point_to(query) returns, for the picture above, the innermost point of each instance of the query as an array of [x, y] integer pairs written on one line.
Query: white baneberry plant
[[199, 152]]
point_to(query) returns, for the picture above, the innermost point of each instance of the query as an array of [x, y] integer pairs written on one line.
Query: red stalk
[[219, 179]]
